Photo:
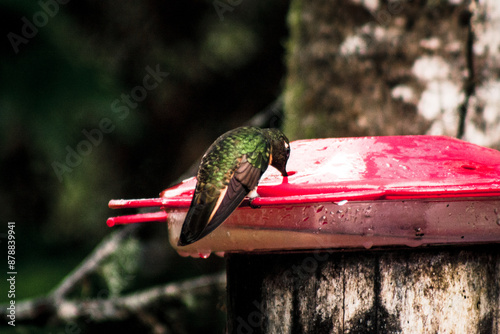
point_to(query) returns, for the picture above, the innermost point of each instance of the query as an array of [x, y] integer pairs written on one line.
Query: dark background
[[63, 80]]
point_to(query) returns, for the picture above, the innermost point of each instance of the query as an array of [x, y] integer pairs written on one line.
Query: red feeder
[[351, 193]]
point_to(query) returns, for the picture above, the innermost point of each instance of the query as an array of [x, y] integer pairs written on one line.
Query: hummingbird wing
[[230, 169], [245, 178], [208, 211]]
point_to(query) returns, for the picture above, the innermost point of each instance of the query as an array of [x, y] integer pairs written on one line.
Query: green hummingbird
[[229, 171]]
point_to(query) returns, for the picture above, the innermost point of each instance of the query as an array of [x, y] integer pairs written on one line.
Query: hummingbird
[[229, 170]]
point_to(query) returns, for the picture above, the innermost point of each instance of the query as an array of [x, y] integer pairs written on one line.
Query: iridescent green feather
[[229, 170]]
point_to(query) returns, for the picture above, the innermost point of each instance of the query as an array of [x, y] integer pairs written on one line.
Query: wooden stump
[[428, 290]]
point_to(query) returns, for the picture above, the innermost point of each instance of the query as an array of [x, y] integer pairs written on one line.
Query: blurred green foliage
[[65, 79]]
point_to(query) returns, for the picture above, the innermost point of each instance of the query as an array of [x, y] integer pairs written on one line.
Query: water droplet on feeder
[[323, 220], [183, 254], [319, 208], [414, 243], [368, 211], [369, 232], [368, 244], [204, 254], [341, 202]]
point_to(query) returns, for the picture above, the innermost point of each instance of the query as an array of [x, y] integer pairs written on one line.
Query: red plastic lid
[[384, 168], [368, 170]]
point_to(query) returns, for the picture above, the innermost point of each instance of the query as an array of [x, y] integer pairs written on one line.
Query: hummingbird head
[[280, 149]]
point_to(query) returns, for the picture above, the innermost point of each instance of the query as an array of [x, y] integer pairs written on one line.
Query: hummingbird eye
[[287, 147]]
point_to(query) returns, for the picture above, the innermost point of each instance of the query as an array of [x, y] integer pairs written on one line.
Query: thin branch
[[123, 306], [107, 247], [44, 309], [270, 117]]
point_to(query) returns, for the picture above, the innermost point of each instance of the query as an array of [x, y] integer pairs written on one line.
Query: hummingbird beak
[[280, 166], [282, 170]]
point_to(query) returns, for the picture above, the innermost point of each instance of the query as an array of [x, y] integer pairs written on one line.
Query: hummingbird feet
[[251, 196], [250, 202]]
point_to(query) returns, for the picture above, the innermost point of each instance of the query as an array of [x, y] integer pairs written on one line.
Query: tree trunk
[[432, 290], [362, 68]]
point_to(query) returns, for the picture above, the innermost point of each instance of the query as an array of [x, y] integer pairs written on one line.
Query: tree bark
[[363, 68], [433, 290]]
